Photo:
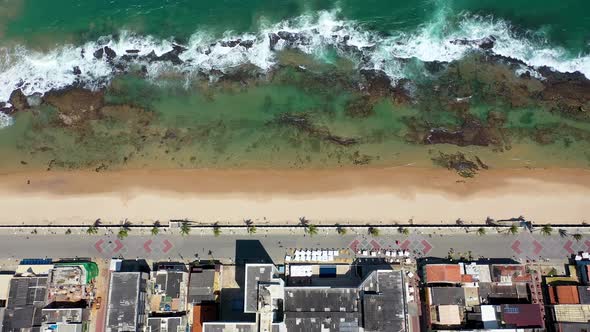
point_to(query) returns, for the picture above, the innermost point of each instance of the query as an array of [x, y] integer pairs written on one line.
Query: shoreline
[[324, 196]]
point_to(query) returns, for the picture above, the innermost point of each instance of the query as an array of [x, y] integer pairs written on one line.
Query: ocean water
[[199, 111]]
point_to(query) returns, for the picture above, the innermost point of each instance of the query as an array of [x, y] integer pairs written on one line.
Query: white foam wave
[[5, 120], [314, 34]]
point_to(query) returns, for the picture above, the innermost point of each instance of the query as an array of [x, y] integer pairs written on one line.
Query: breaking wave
[[445, 38]]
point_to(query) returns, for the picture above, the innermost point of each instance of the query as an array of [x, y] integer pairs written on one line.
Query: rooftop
[[584, 293], [509, 273], [563, 294], [124, 305], [448, 315], [229, 327], [255, 274], [26, 299], [447, 295], [384, 309], [62, 315], [310, 299], [203, 313], [522, 315], [165, 324], [201, 286], [443, 273], [169, 291], [572, 313]]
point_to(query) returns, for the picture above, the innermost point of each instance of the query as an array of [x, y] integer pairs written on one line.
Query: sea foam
[[314, 34]]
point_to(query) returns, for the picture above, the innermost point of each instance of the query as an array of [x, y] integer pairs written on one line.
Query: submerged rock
[[460, 164]]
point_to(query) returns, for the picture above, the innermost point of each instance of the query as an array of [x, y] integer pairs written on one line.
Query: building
[[72, 283], [375, 303], [126, 306], [26, 300], [472, 296], [166, 324], [170, 281], [203, 284], [64, 320]]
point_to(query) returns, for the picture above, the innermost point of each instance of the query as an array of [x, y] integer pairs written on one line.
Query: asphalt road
[[254, 247]]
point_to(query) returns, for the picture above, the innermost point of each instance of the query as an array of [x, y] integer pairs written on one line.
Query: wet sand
[[355, 196]]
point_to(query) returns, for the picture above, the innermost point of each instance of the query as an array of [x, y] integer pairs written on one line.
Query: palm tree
[[123, 233], [311, 229], [185, 228], [546, 230], [126, 225], [250, 226], [513, 230], [94, 228], [481, 231], [562, 232], [373, 231], [156, 228], [341, 229], [68, 231], [303, 221], [403, 230], [251, 229], [216, 229], [577, 237]]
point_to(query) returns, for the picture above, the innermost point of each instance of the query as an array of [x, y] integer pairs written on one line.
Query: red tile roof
[[443, 273], [522, 315], [203, 313], [567, 294]]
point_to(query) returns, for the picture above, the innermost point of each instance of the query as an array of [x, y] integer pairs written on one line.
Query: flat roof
[[522, 315], [171, 324], [584, 294], [26, 299], [448, 315], [229, 327], [201, 286], [447, 295], [306, 299], [255, 274], [384, 310], [572, 313], [566, 294], [123, 302], [321, 321], [5, 285], [439, 273]]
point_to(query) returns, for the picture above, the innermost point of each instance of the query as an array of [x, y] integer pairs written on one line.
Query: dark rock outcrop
[[18, 100], [77, 70]]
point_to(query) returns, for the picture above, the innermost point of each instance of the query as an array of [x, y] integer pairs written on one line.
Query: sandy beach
[[356, 196]]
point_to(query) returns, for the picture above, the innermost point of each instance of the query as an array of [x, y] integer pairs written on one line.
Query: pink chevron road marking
[[98, 245], [405, 245], [167, 246], [354, 245], [146, 246], [119, 245], [538, 247], [568, 247], [375, 245], [516, 247], [427, 247]]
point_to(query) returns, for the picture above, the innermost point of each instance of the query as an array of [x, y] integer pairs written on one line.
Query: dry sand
[[427, 196]]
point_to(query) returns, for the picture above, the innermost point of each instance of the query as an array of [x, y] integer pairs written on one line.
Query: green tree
[[577, 237], [373, 231], [156, 228], [92, 230], [403, 230], [341, 229], [546, 230], [185, 228], [216, 229], [68, 231], [123, 233], [481, 231], [250, 228], [513, 229], [562, 232], [311, 229]]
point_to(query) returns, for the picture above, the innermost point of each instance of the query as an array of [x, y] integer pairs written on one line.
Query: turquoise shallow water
[[564, 23], [195, 111]]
